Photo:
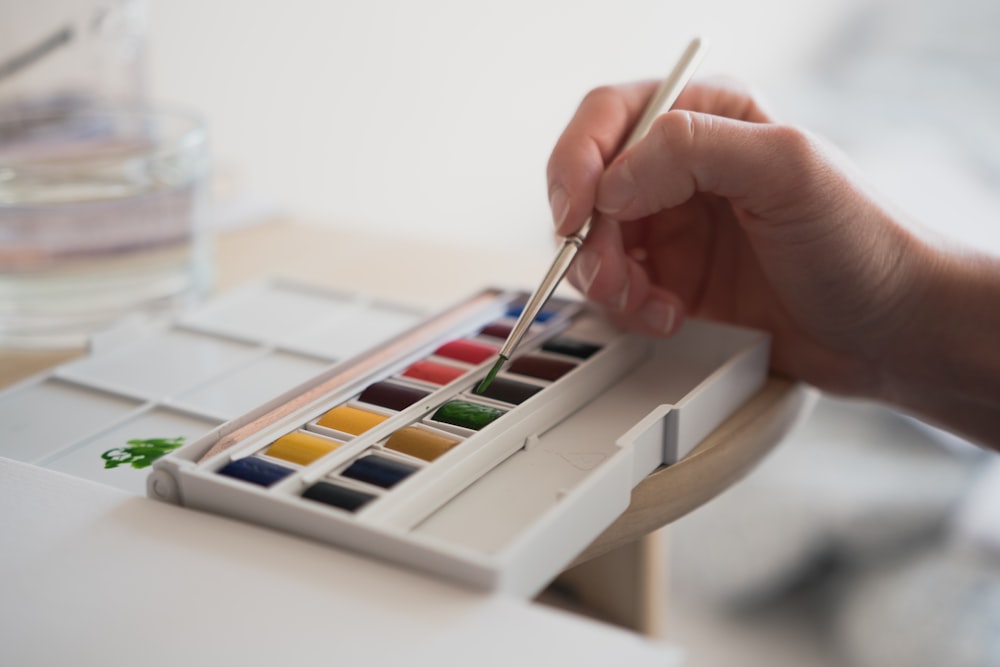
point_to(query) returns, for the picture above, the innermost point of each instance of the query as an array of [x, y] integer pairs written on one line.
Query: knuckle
[[800, 151], [599, 96], [677, 129], [793, 142]]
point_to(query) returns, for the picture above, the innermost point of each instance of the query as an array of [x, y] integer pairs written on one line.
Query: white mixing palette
[[183, 380]]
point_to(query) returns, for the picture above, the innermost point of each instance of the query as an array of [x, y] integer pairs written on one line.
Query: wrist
[[944, 364]]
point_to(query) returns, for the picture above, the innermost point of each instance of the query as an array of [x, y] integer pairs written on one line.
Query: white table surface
[[93, 576]]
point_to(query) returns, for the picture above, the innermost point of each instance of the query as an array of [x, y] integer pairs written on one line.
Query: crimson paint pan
[[392, 395], [498, 330]]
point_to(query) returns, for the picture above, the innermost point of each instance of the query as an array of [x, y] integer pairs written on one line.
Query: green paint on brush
[[467, 414], [488, 380], [140, 453]]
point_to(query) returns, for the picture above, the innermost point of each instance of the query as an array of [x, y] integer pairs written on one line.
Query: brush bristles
[[488, 380]]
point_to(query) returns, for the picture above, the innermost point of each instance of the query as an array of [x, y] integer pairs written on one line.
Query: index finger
[[589, 142]]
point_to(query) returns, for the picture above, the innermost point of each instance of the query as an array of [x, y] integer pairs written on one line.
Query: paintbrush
[[662, 99]]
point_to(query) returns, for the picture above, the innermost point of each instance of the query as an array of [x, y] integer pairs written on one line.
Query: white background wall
[[435, 118]]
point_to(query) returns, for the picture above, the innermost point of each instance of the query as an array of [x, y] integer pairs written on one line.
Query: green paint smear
[[469, 415], [140, 453]]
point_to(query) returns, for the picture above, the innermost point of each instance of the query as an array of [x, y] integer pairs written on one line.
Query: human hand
[[723, 213]]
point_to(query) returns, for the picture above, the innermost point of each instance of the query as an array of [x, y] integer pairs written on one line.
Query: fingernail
[[617, 189], [623, 298], [587, 265], [559, 203], [658, 316]]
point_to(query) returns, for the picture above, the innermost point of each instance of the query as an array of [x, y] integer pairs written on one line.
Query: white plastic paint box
[[390, 452]]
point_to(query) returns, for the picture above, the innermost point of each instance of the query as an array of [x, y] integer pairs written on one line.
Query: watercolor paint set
[[390, 451]]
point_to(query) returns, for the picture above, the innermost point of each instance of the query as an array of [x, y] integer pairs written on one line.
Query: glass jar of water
[[102, 215]]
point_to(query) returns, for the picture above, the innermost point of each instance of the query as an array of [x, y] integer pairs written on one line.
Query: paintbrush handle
[[664, 97], [668, 91], [558, 269]]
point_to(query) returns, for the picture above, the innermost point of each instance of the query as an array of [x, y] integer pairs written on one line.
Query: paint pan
[[540, 367], [256, 471], [378, 471], [392, 395], [434, 372], [469, 351], [422, 443], [301, 447], [337, 495], [350, 420], [467, 414], [508, 390]]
